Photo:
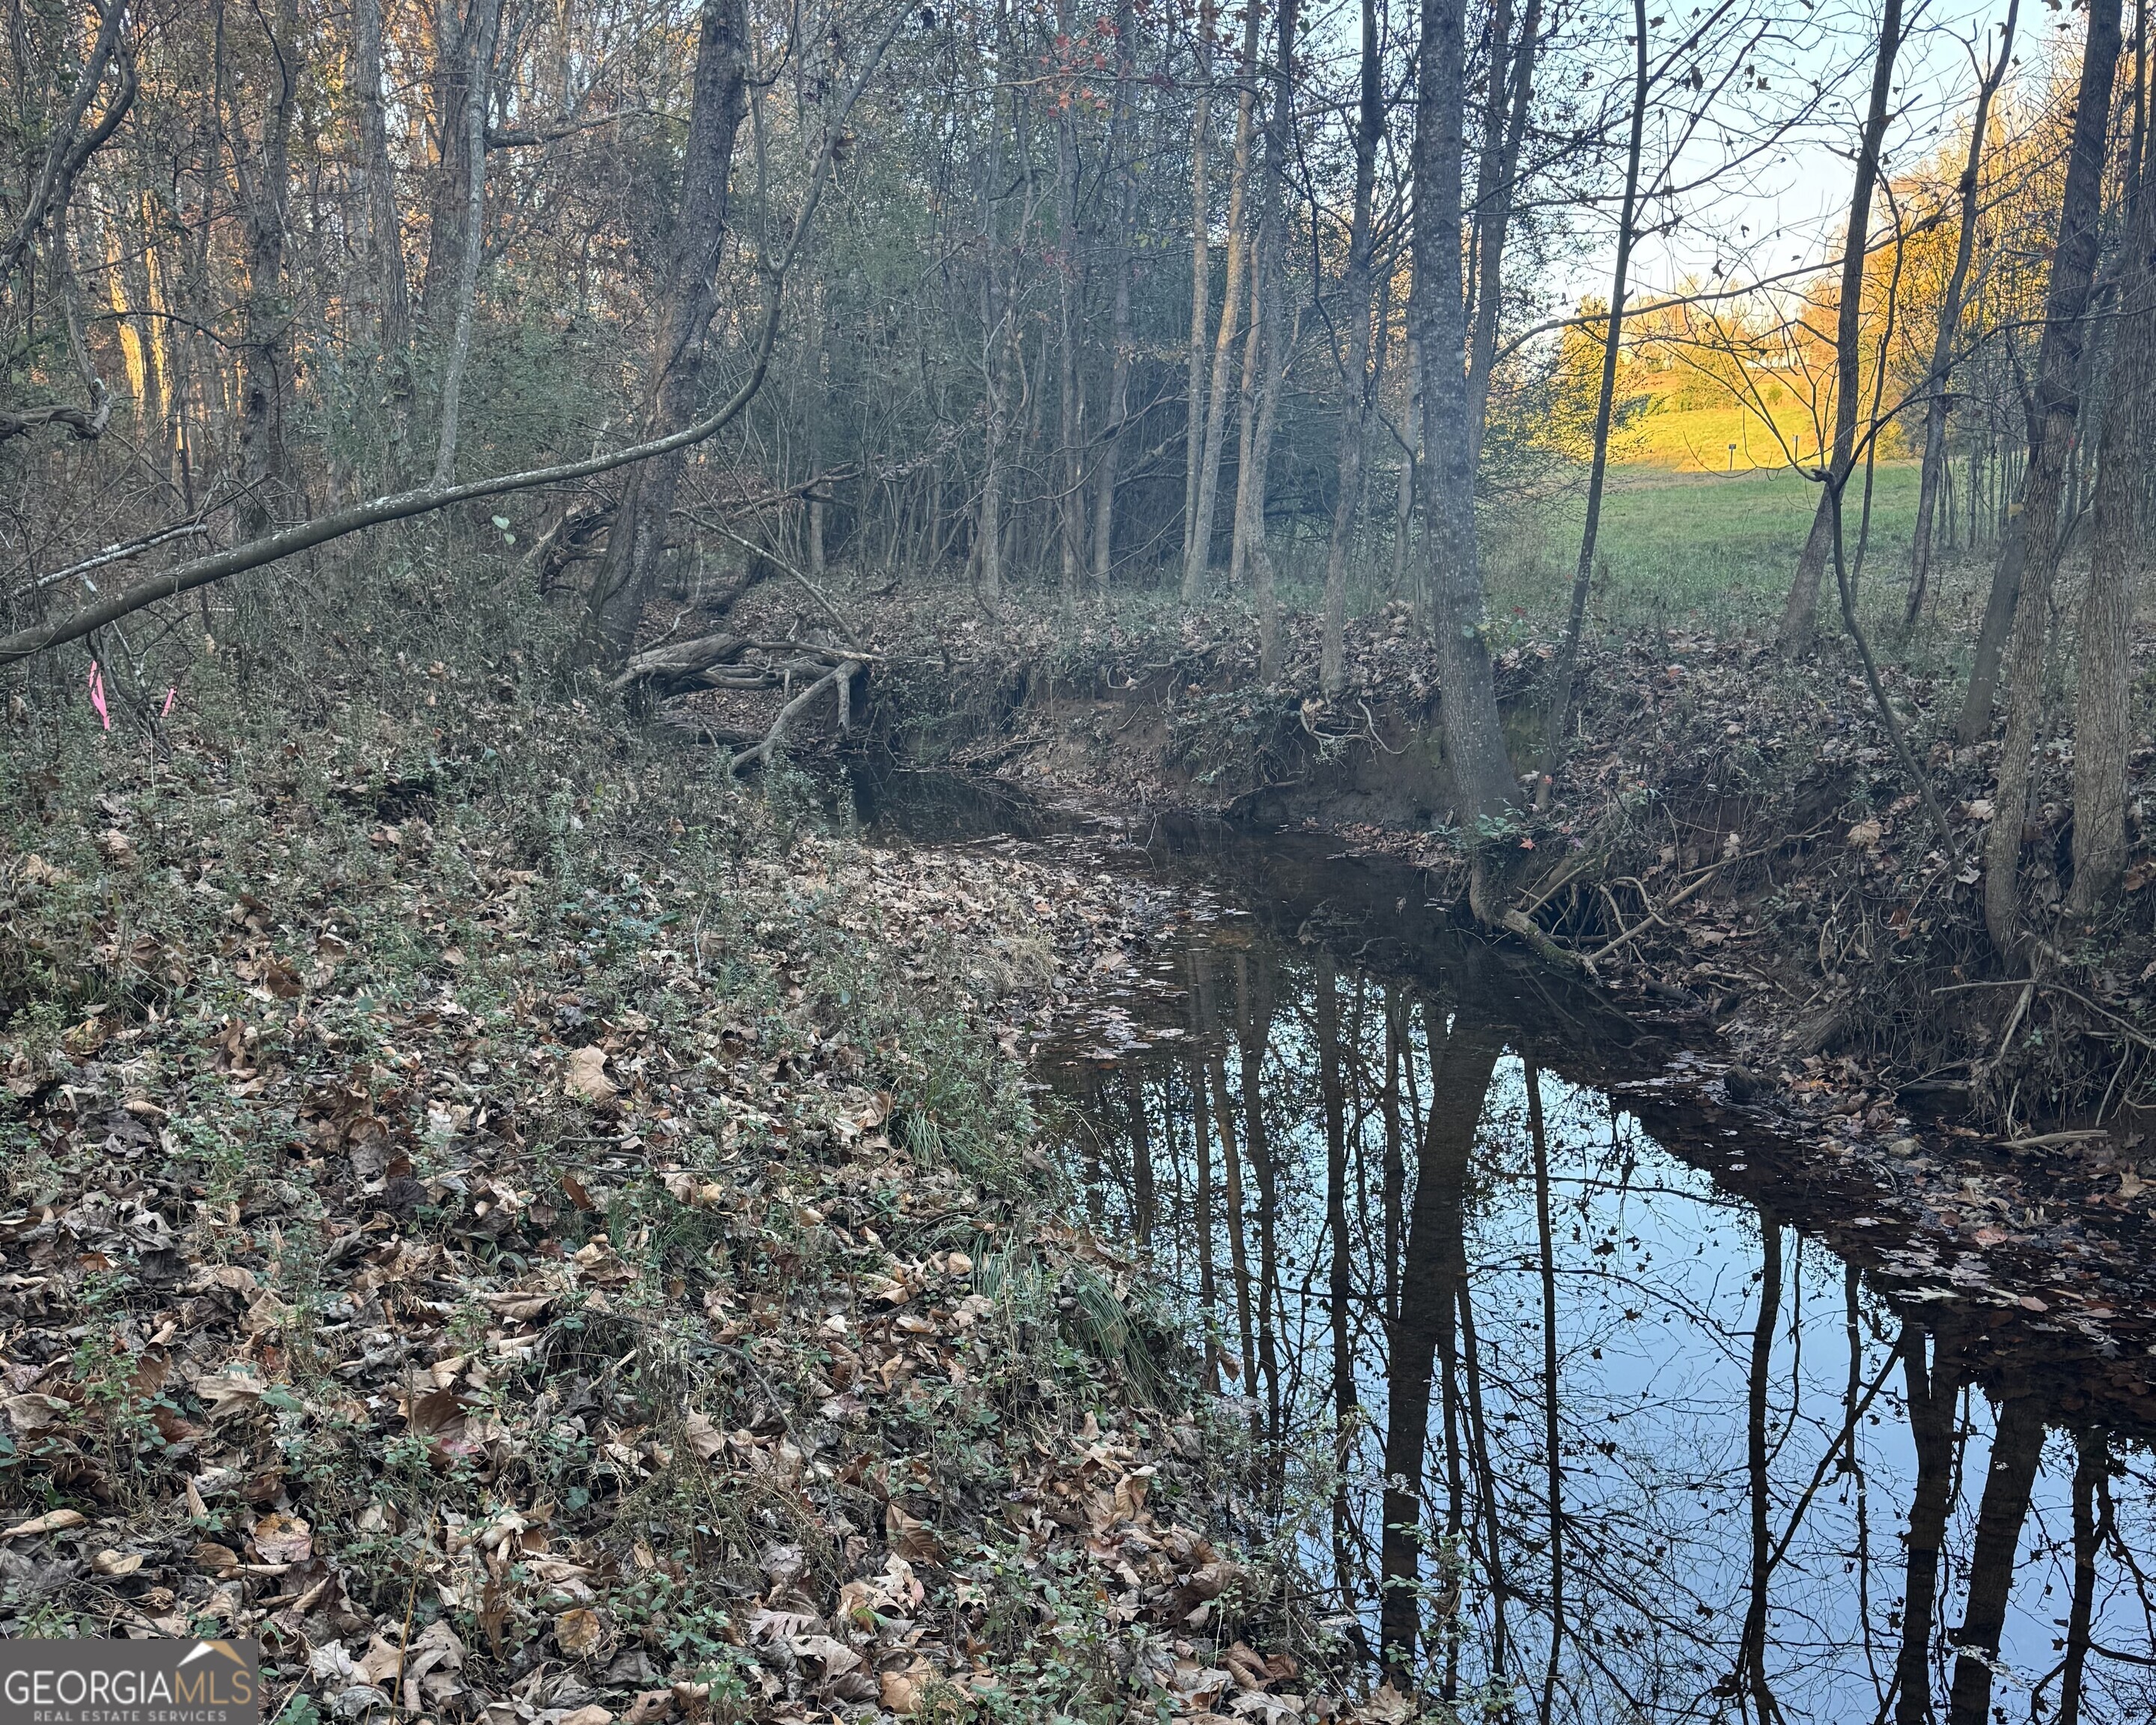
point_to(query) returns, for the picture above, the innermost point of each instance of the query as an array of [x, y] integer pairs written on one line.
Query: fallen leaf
[[580, 1635], [116, 1563], [283, 1539], [587, 1078], [54, 1520]]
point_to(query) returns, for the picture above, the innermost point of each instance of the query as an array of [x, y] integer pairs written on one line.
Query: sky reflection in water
[[1706, 1356]]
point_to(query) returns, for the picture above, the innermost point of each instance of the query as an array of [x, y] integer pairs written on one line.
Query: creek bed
[[1415, 1190]]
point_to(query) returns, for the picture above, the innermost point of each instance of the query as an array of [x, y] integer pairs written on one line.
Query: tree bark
[[2058, 408], [1275, 332], [1496, 177], [1070, 503], [263, 173], [1201, 278], [481, 21], [636, 543], [456, 74], [2027, 556], [390, 289], [1355, 380], [1119, 362], [1800, 614], [1474, 743], [2117, 560]]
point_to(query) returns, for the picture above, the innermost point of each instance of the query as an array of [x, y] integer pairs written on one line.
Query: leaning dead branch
[[725, 661], [840, 677]]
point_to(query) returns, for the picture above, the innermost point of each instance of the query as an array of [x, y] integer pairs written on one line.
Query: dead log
[[841, 676]]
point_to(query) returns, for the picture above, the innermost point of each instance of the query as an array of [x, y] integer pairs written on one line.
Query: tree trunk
[[2017, 1452], [2092, 1465], [1941, 370], [481, 21], [1474, 744], [1201, 278], [1071, 502], [1340, 1284], [1553, 1444], [2027, 556], [384, 232], [1752, 1655], [1119, 363], [1932, 1394], [449, 198], [2117, 559], [2058, 407], [263, 173], [1275, 332], [1497, 176], [1605, 402], [636, 542], [1198, 556], [1355, 366], [1800, 614]]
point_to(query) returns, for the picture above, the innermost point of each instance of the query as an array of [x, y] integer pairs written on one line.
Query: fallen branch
[[841, 676], [715, 662]]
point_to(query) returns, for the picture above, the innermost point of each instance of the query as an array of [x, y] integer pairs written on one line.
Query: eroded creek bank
[[1696, 1402]]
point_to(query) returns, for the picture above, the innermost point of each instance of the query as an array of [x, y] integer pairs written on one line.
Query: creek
[[1609, 1400]]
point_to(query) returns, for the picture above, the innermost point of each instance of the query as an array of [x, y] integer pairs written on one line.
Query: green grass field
[[1717, 549]]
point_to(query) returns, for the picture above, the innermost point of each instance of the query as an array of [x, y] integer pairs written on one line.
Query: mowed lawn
[[1719, 549]]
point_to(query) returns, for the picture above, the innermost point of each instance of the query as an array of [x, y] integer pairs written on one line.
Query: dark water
[[1436, 1211]]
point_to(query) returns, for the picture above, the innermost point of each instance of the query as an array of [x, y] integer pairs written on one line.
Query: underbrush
[[526, 1229]]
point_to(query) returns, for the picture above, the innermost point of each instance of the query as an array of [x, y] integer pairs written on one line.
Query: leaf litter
[[530, 1248]]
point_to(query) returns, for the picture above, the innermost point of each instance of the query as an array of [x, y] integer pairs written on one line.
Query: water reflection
[[1585, 1435]]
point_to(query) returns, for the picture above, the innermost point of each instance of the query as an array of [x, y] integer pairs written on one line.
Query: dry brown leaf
[[283, 1539], [54, 1520], [580, 1634], [586, 1075]]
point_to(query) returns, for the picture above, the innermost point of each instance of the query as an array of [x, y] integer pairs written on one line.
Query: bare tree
[[1801, 611], [636, 542], [1605, 401], [1474, 743], [1940, 372], [2028, 546], [2119, 557], [2030, 560], [262, 170], [1355, 379], [481, 20], [1198, 555]]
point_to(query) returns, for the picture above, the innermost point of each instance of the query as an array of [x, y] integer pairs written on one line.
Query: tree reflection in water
[[1586, 1436]]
